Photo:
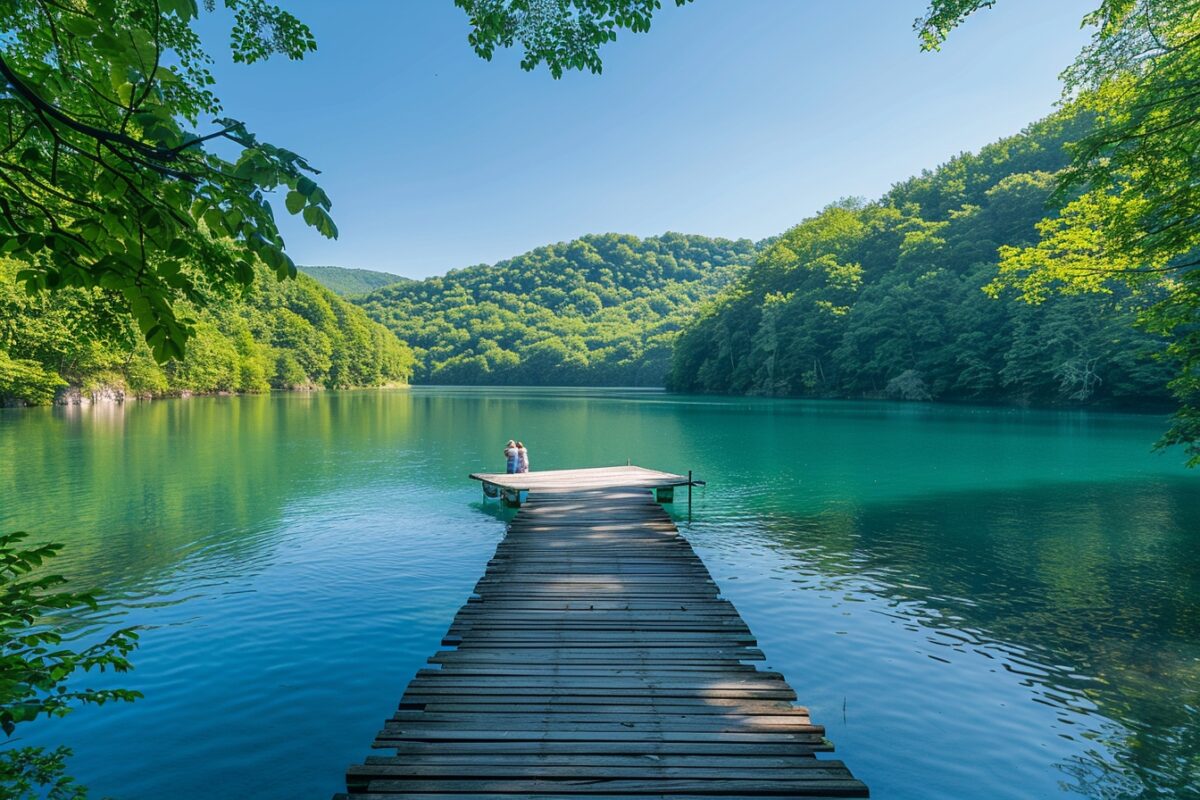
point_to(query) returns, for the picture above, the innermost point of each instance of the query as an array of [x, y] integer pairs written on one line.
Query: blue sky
[[733, 118]]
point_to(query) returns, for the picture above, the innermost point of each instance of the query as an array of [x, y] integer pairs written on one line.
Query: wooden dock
[[513, 488], [598, 660]]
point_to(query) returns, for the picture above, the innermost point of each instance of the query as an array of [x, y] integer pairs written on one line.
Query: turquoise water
[[976, 602]]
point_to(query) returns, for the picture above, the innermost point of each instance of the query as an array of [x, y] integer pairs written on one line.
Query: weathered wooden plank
[[550, 694], [576, 723], [429, 733], [609, 657], [467, 670], [653, 785], [629, 747], [584, 761], [815, 770], [558, 796], [709, 708], [698, 683], [631, 720], [413, 700]]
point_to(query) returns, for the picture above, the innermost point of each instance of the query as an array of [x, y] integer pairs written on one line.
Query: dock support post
[[689, 494]]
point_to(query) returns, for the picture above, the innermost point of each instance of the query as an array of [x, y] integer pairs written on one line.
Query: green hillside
[[279, 335], [348, 281], [599, 310], [885, 299]]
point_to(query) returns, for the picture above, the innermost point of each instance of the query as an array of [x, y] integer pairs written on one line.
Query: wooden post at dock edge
[[689, 493]]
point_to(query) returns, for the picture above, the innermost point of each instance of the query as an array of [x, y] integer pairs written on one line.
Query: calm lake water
[[983, 603]]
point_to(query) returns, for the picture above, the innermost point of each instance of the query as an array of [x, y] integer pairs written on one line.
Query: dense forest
[[880, 299], [599, 310], [348, 281], [887, 299], [274, 335]]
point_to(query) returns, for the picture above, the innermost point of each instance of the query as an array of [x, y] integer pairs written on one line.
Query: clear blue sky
[[733, 118]]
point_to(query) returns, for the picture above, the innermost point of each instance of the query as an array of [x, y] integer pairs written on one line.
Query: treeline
[[886, 299], [278, 335], [600, 310]]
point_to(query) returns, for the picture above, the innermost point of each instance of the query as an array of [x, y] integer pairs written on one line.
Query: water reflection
[[1089, 594]]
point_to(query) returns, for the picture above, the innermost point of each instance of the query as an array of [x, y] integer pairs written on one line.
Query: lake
[[975, 602]]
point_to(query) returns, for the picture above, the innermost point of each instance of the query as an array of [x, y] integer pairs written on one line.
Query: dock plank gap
[[597, 659]]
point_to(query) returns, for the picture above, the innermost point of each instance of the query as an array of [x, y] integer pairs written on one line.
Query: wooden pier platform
[[597, 659], [590, 478], [513, 488]]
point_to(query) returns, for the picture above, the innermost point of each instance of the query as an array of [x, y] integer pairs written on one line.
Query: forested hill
[[346, 281], [599, 310], [281, 334], [886, 299]]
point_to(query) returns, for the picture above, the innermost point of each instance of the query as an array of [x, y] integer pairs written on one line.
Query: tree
[[107, 178], [1130, 200], [908, 385], [35, 667], [563, 34]]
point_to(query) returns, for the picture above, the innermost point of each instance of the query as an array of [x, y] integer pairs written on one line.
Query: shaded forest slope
[[278, 335], [886, 299]]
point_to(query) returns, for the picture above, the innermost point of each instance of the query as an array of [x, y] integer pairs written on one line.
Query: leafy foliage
[[36, 668], [346, 281], [33, 773], [276, 334], [104, 182], [885, 299], [564, 34], [1129, 197], [600, 310], [27, 382]]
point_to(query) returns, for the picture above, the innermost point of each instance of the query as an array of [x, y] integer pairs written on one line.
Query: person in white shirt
[[510, 457], [522, 458]]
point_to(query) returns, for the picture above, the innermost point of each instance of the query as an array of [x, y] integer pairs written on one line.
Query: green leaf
[[215, 221], [295, 202], [80, 25], [185, 9], [317, 218]]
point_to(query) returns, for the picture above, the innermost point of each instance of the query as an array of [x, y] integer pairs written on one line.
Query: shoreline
[[109, 395]]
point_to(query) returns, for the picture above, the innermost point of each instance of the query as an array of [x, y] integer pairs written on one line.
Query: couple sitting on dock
[[516, 457]]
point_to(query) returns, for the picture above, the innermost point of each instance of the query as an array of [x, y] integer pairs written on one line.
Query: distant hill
[[346, 281], [600, 310]]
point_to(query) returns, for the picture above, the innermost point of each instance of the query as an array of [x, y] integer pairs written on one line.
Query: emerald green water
[[976, 602]]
